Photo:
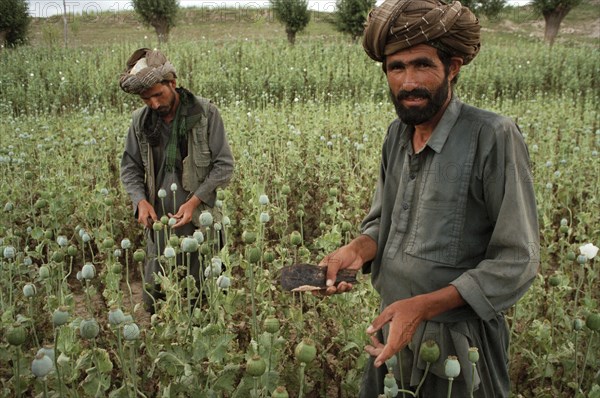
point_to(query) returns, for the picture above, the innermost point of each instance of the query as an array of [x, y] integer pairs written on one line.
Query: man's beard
[[418, 115], [166, 109], [163, 110]]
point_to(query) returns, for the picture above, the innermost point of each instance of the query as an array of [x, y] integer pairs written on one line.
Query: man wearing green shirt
[[176, 157], [451, 239]]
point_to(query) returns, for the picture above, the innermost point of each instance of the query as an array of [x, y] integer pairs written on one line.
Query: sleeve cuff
[[136, 201], [373, 233], [208, 197], [471, 292]]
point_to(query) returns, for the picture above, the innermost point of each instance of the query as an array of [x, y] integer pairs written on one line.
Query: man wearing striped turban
[[451, 239], [176, 156]]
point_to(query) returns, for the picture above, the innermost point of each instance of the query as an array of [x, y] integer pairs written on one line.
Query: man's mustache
[[416, 93]]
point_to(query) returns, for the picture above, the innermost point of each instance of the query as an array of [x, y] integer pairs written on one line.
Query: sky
[[47, 8]]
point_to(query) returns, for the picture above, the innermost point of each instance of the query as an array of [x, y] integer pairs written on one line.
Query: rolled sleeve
[[512, 256], [132, 170], [371, 224]]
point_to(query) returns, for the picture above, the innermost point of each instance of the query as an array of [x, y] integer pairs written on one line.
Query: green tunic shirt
[[134, 180], [221, 158], [460, 212]]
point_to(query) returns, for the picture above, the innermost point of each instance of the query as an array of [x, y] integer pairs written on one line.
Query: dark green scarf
[[178, 130]]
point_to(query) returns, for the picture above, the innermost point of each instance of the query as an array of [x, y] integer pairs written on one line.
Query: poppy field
[[306, 125]]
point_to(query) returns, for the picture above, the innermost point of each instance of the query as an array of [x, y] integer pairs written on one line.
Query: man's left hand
[[403, 316], [185, 212]]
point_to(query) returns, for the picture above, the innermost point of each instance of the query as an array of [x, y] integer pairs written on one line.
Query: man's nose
[[410, 81], [154, 104]]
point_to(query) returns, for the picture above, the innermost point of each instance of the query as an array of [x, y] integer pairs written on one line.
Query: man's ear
[[455, 65]]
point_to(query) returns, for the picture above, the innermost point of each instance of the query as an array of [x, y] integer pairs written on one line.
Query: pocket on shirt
[[196, 171], [188, 178], [435, 237], [202, 161], [201, 148], [202, 158]]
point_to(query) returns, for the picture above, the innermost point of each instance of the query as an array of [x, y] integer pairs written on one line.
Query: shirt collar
[[442, 130], [406, 135], [440, 133]]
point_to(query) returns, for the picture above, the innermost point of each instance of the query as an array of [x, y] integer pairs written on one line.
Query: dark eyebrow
[[422, 61], [150, 96], [395, 64], [417, 61]]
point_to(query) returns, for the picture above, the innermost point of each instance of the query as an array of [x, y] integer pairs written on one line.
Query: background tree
[[351, 15], [160, 14], [489, 8], [293, 14], [554, 11], [14, 22], [65, 23]]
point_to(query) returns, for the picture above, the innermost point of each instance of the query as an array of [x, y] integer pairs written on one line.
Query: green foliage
[[351, 15], [271, 73], [294, 14], [161, 15], [488, 8], [554, 11], [14, 22], [492, 8], [321, 127], [545, 7]]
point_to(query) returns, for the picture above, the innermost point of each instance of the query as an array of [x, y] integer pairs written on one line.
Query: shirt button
[[405, 205]]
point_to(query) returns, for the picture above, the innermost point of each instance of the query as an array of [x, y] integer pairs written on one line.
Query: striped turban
[[400, 24], [144, 69]]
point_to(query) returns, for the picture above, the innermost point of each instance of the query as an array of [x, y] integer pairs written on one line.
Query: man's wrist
[[194, 201], [437, 302], [365, 247]]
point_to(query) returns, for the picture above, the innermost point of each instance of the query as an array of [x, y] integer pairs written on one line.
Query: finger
[[375, 341], [325, 261], [373, 351], [378, 322], [145, 221], [331, 290], [341, 287], [398, 338], [180, 223], [333, 265], [386, 353], [344, 287]]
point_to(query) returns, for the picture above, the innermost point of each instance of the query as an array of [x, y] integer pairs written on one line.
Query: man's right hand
[[352, 256], [146, 213]]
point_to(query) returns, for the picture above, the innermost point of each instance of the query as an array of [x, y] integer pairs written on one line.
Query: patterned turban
[[144, 69], [400, 24]]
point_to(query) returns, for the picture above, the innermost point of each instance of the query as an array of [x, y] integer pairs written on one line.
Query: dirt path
[[100, 307]]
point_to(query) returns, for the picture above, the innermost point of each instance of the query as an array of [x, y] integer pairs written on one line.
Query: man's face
[[419, 84], [161, 98]]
